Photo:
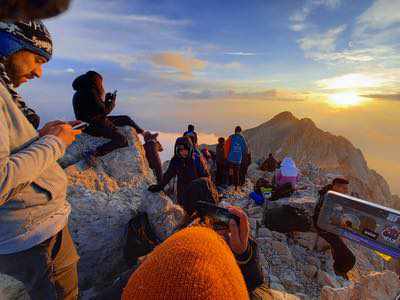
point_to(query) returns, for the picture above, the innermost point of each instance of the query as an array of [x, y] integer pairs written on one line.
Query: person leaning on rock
[[92, 105], [185, 165], [35, 245], [344, 259]]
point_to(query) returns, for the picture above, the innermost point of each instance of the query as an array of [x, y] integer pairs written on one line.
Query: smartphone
[[81, 125], [369, 224], [221, 216]]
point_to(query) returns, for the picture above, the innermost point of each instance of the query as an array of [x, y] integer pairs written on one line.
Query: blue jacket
[[236, 148]]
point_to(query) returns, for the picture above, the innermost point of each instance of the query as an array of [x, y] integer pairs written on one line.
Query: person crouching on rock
[[152, 147], [92, 105], [194, 263], [185, 165]]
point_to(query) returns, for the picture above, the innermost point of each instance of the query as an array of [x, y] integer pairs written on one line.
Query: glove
[[155, 188]]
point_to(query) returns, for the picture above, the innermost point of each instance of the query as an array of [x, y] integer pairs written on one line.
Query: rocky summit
[[286, 135], [296, 266]]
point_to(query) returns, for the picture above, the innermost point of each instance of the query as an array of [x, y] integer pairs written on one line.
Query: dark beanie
[[88, 80], [31, 35]]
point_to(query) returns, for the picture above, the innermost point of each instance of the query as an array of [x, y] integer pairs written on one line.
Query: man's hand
[[61, 130], [239, 235]]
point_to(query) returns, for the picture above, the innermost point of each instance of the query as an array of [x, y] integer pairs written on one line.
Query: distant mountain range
[[286, 135]]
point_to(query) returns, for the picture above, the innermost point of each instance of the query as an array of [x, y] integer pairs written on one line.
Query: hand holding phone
[[231, 219], [80, 125]]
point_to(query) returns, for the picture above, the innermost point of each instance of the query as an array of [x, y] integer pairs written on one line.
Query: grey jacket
[[33, 186]]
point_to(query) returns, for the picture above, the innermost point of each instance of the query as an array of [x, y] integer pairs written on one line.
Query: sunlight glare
[[345, 99]]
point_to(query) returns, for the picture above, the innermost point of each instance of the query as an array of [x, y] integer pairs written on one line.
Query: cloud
[[298, 18], [240, 53], [130, 18], [185, 65], [98, 31], [266, 95], [352, 81], [318, 43], [388, 97], [380, 15]]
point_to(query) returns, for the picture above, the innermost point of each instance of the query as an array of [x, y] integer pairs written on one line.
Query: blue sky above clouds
[[220, 63]]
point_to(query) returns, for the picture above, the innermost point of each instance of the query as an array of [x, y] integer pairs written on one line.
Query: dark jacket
[[201, 189], [344, 259], [249, 264], [269, 165], [186, 169], [88, 101], [220, 154]]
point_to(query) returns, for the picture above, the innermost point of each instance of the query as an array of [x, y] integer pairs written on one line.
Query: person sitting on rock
[[221, 176], [152, 147], [288, 173], [270, 164], [344, 259], [235, 151], [185, 165], [92, 105]]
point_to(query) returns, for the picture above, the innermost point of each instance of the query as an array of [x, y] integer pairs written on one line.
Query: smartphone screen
[[369, 224]]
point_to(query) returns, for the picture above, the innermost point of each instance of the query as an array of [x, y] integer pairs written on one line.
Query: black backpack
[[287, 219], [140, 239]]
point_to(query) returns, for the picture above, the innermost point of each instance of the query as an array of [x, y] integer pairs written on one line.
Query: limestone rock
[[11, 289], [274, 294], [326, 279], [105, 198], [375, 286], [310, 270]]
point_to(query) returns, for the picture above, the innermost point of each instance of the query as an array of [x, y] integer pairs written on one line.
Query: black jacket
[[249, 264], [186, 169]]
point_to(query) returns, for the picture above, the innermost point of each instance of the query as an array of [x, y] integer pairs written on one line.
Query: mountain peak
[[284, 116]]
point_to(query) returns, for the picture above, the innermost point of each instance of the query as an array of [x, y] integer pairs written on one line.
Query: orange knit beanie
[[195, 263]]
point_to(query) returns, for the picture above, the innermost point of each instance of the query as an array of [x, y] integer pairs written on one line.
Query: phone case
[[369, 224]]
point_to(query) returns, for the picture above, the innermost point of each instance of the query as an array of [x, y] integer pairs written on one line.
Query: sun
[[345, 99]]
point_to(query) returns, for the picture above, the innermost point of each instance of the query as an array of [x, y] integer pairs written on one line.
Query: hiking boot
[[90, 159]]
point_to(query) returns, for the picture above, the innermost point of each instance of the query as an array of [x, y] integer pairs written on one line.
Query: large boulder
[[105, 198]]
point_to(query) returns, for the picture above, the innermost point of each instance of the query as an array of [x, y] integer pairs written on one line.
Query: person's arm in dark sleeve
[[203, 169], [109, 103], [169, 174], [249, 264]]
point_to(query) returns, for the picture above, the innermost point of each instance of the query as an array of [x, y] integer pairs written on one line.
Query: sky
[[218, 64]]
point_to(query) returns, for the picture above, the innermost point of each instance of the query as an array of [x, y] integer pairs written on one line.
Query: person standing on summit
[[236, 151], [36, 247]]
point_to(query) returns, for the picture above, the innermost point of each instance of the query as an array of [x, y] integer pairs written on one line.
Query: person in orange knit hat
[[195, 263]]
